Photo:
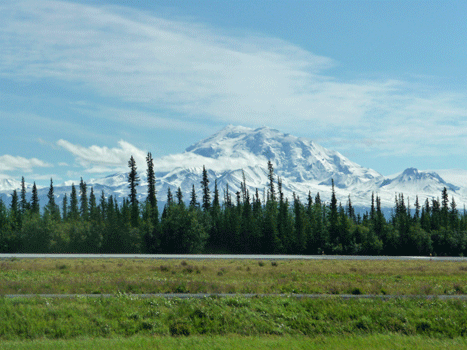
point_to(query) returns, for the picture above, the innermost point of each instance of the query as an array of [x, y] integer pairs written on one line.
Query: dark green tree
[[93, 209], [65, 207], [133, 182], [193, 201], [24, 205], [35, 200], [151, 198], [333, 219], [84, 208], [272, 194], [15, 215], [74, 211], [179, 196], [206, 192], [51, 208]]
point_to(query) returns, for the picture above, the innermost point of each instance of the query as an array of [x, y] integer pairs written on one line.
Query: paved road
[[223, 295], [226, 256]]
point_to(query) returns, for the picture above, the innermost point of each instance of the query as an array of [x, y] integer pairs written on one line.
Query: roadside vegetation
[[284, 322], [126, 316], [230, 342], [109, 276]]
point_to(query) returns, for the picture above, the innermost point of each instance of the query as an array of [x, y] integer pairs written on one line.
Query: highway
[[227, 257]]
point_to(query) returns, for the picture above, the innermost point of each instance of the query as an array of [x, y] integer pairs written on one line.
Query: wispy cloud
[[97, 159], [201, 74], [13, 163]]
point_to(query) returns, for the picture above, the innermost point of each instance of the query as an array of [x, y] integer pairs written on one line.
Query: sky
[[86, 84]]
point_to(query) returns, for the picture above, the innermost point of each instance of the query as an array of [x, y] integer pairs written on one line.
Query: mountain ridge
[[303, 166]]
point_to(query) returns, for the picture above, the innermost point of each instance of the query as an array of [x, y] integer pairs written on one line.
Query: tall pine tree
[[206, 192], [133, 182]]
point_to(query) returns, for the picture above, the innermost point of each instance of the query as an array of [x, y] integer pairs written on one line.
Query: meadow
[[108, 276], [128, 321]]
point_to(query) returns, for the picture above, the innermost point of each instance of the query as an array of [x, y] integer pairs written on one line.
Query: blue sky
[[86, 84]]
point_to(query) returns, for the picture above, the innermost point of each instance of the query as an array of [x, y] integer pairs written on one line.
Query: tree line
[[240, 223]]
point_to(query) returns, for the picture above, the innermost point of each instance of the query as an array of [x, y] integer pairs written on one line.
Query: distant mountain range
[[303, 166]]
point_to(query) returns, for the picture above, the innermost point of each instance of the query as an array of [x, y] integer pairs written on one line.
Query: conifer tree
[[179, 196], [350, 210], [103, 206], [65, 207], [454, 216], [214, 234], [206, 192], [93, 211], [35, 200], [169, 197], [84, 208], [14, 210], [246, 224], [24, 205], [151, 198], [74, 211], [272, 194], [444, 208], [333, 218], [300, 239], [133, 182], [51, 207], [193, 201], [215, 202], [417, 209]]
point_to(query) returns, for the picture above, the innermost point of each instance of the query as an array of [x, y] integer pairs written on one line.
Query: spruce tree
[[206, 192], [35, 200], [74, 211], [24, 205], [193, 200], [51, 207], [84, 208], [93, 211], [333, 219], [272, 194], [170, 198], [14, 210], [133, 182], [151, 198], [444, 208], [179, 196], [65, 207]]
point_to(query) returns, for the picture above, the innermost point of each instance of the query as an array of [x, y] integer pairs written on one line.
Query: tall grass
[[44, 276], [125, 316], [382, 342]]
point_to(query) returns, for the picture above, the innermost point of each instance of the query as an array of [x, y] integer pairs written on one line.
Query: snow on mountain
[[412, 180], [237, 152], [296, 159], [8, 185]]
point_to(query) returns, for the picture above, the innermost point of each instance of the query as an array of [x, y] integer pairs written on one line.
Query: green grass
[[126, 316], [383, 342], [102, 276]]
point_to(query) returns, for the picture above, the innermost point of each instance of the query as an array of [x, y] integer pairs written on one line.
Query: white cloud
[[96, 159], [12, 163], [201, 74], [178, 66]]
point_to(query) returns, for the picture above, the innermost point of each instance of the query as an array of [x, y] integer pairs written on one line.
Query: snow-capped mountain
[[236, 153], [412, 180]]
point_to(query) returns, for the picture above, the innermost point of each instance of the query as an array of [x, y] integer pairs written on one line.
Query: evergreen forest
[[241, 223]]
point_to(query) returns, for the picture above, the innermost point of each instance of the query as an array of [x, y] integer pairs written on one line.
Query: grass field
[[128, 322], [381, 342], [102, 276]]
